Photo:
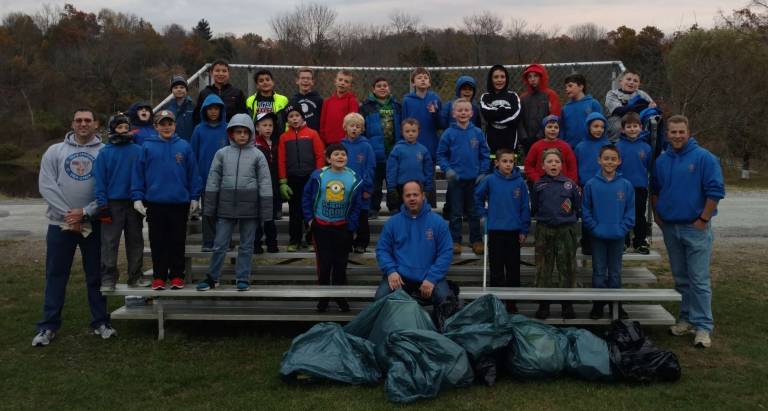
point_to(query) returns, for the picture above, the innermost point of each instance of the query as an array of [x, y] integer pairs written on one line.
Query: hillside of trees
[[58, 59]]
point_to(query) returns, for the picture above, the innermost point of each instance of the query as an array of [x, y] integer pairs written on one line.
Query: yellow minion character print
[[334, 191]]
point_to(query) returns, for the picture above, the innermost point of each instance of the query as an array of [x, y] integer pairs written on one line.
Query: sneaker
[[273, 248], [158, 284], [343, 305], [543, 312], [206, 284], [702, 339], [456, 248], [626, 247], [143, 282], [682, 328], [322, 306], [206, 249], [107, 287], [597, 311], [177, 283], [568, 312], [478, 248], [105, 331], [243, 286], [43, 338], [374, 215], [258, 250], [292, 248], [642, 249], [359, 249]]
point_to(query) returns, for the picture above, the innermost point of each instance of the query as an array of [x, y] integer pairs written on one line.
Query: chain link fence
[[601, 77]]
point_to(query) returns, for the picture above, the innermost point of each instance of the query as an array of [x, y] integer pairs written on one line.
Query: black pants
[[295, 214], [268, 229], [363, 233], [208, 225], [167, 237], [332, 253], [641, 223], [504, 258], [395, 200], [378, 179]]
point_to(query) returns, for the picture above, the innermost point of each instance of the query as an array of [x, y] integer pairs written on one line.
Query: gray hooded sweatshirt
[[239, 183], [66, 177]]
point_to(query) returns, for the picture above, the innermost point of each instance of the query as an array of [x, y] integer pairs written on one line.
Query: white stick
[[485, 257]]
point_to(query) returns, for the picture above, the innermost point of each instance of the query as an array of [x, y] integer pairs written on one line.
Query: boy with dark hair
[[182, 106], [266, 99], [307, 99], [208, 137], [466, 88], [423, 105], [331, 204], [165, 187], [382, 115], [463, 156], [238, 192], [627, 98], [501, 109], [635, 157], [538, 101], [299, 153], [587, 154], [112, 188], [265, 126], [507, 219], [576, 110], [555, 203], [363, 163], [335, 107], [533, 161], [609, 214], [233, 98], [409, 161], [141, 122]]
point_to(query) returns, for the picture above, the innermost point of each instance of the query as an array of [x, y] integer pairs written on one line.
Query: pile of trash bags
[[395, 339]]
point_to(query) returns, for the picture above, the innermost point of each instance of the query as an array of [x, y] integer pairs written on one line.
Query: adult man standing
[[686, 187], [66, 184], [415, 250]]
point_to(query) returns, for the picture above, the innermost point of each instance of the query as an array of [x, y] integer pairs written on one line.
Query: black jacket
[[234, 101], [501, 111], [311, 104]]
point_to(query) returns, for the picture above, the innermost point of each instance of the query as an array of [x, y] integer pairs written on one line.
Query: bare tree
[[48, 16], [308, 26], [402, 22], [588, 32], [483, 28]]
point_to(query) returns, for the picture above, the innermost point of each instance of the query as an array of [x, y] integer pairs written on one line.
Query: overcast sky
[[239, 16]]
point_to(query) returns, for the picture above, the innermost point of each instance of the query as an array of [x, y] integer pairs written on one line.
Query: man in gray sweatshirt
[[66, 184]]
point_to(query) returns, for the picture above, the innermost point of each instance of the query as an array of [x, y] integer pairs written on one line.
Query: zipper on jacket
[[237, 173]]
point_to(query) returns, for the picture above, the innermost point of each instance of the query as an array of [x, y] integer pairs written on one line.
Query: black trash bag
[[444, 311], [537, 351], [588, 355], [486, 368], [420, 363], [634, 357], [326, 352]]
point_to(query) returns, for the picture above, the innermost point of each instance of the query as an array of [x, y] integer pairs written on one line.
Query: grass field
[[206, 365]]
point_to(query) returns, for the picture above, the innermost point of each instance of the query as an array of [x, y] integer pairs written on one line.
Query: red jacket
[[332, 116], [299, 153], [533, 163]]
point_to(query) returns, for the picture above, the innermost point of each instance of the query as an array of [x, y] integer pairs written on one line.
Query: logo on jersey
[[361, 158], [568, 185], [474, 142], [179, 158], [620, 195], [79, 166], [567, 206], [516, 193], [429, 234], [419, 156], [691, 168], [642, 155]]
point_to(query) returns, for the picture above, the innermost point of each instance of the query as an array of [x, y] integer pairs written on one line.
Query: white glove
[[139, 206], [193, 205], [450, 175]]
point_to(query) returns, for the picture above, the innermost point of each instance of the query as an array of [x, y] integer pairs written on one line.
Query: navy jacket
[[507, 197], [410, 162], [310, 196], [608, 210], [311, 105], [374, 130], [185, 124], [556, 200]]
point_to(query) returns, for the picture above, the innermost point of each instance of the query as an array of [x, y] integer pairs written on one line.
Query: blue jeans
[[690, 250], [461, 199], [224, 228], [60, 252], [606, 262], [439, 293]]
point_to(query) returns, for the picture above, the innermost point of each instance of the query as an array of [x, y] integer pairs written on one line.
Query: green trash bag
[[326, 352], [537, 351], [395, 312], [420, 363], [588, 355]]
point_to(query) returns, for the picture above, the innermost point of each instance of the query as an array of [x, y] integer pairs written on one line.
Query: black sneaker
[[597, 311], [358, 249], [273, 248], [543, 312], [373, 215], [568, 312], [642, 249], [343, 305], [322, 306], [258, 250]]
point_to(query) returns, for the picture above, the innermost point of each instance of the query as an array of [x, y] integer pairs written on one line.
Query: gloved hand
[[285, 190], [193, 205], [139, 206], [104, 215], [480, 178], [450, 175], [637, 99]]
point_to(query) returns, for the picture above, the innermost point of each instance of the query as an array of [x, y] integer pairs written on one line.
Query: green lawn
[[234, 365]]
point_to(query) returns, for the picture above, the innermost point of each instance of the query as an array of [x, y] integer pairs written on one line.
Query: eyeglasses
[[83, 120]]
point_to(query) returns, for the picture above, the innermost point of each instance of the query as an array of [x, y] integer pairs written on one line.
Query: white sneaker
[[143, 282], [105, 288], [702, 339], [43, 338], [682, 328], [105, 331]]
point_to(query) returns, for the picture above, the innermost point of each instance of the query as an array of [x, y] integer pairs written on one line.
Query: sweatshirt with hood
[[507, 198], [417, 247], [166, 172], [575, 114], [635, 158], [382, 124], [465, 151], [446, 114], [239, 183], [114, 167], [311, 105], [589, 149], [66, 177], [410, 161], [608, 207], [683, 180], [141, 130], [362, 160], [501, 110], [537, 103], [332, 115], [209, 136], [416, 107]]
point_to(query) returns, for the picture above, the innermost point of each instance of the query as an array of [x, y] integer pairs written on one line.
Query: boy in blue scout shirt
[[635, 156], [363, 163]]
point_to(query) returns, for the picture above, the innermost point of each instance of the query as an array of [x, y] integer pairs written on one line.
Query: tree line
[[58, 59]]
